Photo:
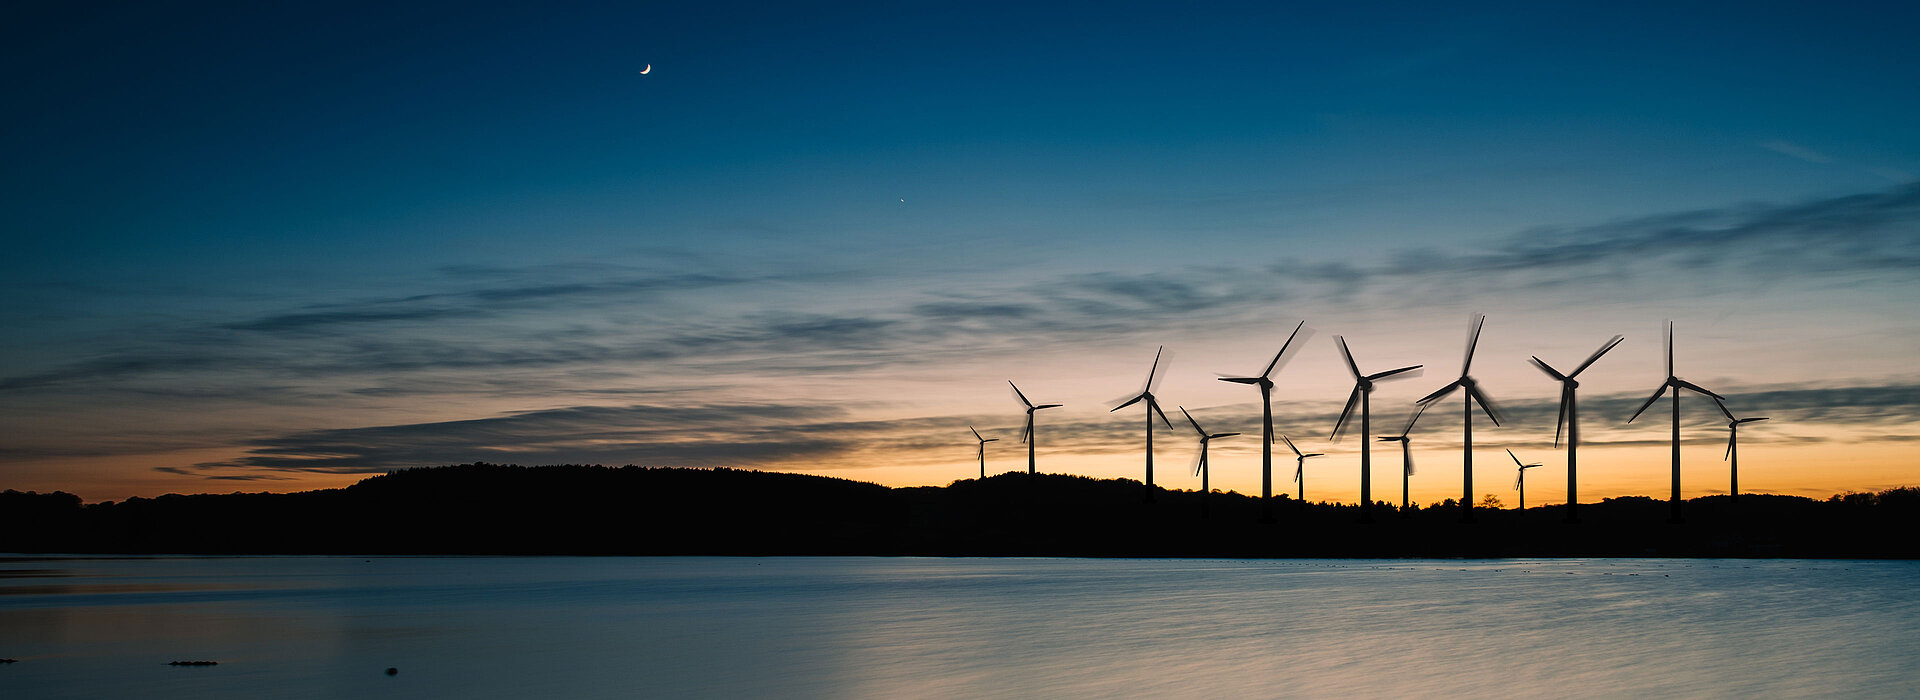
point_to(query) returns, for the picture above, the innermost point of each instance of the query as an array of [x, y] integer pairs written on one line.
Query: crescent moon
[[649, 67]]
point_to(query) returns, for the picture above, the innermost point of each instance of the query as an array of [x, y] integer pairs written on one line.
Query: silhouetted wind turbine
[[1206, 493], [1300, 469], [1153, 406], [1363, 395], [1406, 457], [1265, 382], [1027, 435], [1520, 481], [1570, 419], [1676, 384], [1471, 393], [983, 450], [1733, 445]]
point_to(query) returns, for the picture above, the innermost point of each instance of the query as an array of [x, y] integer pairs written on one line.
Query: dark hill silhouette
[[493, 509]]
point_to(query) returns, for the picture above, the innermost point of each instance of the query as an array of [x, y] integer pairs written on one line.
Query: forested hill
[[492, 509]]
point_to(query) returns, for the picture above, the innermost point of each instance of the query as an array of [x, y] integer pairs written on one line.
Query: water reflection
[[619, 627]]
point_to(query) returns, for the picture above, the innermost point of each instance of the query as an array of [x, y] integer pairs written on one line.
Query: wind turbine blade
[[1596, 355], [1301, 467], [1560, 424], [1723, 410], [1516, 460], [1669, 348], [1196, 424], [1049, 405], [1241, 380], [1437, 395], [1348, 354], [1024, 432], [1391, 372], [976, 433], [991, 440], [1551, 372], [1156, 367], [1696, 387], [1409, 455], [1487, 405], [1473, 339], [1155, 407], [1353, 399], [1296, 450], [1220, 435], [1129, 402], [1420, 409], [1016, 392], [1649, 403], [1729, 454], [1751, 420], [1283, 348], [1518, 480]]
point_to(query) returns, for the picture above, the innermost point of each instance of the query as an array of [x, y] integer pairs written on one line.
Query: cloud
[[714, 434], [821, 437], [145, 363], [486, 301], [538, 324], [1864, 232], [1794, 150]]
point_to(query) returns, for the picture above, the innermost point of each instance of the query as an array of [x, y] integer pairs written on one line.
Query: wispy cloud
[[1794, 150], [640, 434], [587, 333], [821, 437]]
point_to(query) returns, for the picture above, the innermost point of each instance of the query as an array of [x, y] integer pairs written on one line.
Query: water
[[292, 627]]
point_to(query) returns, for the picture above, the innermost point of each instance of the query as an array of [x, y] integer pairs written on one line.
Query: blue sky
[[236, 228]]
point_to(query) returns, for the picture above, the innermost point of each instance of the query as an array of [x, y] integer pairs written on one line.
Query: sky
[[288, 246]]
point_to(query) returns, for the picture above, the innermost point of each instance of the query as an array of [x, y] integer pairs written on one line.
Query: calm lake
[[290, 627]]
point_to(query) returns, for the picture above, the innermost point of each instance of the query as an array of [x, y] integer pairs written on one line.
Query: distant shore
[[493, 509]]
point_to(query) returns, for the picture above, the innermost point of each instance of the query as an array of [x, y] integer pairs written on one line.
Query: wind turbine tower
[[1200, 468], [1153, 406], [983, 449], [1676, 384], [1265, 381], [1362, 395], [1300, 470], [1569, 420], [1470, 392], [1027, 435], [1406, 459], [1520, 481], [1733, 446]]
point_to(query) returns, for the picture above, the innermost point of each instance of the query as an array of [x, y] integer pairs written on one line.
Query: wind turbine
[[1206, 493], [1153, 406], [1027, 435], [1676, 384], [1733, 444], [1520, 482], [1570, 419], [1470, 391], [983, 450], [1300, 469], [1406, 458], [1363, 395], [1265, 382]]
